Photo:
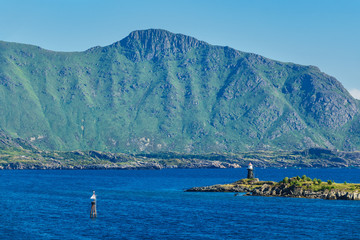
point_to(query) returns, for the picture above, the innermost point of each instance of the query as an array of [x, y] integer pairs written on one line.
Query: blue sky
[[324, 33]]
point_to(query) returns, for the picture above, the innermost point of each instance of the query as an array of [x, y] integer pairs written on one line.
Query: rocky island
[[297, 187], [289, 187]]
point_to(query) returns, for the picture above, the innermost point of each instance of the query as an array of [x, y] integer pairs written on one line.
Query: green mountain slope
[[158, 91]]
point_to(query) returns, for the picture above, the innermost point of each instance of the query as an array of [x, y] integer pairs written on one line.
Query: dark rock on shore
[[284, 190], [218, 188]]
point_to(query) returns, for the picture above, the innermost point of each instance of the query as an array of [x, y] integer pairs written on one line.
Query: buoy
[[93, 213]]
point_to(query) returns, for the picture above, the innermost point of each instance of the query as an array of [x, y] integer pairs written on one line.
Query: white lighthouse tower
[[250, 169]]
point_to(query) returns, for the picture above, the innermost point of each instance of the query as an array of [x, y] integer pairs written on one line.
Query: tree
[[286, 180], [315, 181]]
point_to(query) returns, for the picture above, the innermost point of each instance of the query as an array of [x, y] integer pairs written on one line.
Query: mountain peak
[[152, 43], [150, 33]]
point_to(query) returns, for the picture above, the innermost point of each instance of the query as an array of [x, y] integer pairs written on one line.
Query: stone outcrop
[[284, 190]]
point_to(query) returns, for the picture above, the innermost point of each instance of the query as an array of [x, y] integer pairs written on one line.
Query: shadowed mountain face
[[159, 91]]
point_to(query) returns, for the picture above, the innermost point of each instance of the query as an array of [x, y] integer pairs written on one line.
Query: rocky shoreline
[[134, 165], [22, 155], [281, 189]]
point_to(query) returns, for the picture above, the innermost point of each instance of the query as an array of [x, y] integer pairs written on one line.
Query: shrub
[[298, 178], [308, 179], [345, 182], [293, 181], [319, 181], [315, 181], [329, 182], [286, 180], [303, 177]]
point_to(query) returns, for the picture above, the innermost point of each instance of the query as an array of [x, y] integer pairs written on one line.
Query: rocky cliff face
[[154, 44], [156, 91], [7, 141], [313, 93]]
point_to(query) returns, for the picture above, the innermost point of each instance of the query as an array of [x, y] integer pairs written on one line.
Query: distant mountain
[[156, 91]]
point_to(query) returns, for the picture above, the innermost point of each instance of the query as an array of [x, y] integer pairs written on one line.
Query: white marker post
[[93, 213]]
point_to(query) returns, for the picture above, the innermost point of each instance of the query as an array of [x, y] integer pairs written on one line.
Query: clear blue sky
[[324, 33]]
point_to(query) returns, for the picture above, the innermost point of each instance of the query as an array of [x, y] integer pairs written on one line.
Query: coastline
[[16, 158], [135, 165]]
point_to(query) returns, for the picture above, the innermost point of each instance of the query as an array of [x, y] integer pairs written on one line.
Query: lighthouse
[[250, 169]]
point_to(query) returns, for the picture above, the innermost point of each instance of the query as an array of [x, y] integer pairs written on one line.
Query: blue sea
[[152, 204]]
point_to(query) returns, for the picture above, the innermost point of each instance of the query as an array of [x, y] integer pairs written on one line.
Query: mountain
[[156, 91]]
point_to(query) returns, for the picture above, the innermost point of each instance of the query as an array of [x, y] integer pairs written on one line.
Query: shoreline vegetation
[[29, 157], [296, 187]]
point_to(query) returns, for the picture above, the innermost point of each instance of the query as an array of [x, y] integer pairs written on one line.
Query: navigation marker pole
[[93, 213]]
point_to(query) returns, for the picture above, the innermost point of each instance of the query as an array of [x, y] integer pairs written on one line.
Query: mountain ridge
[[158, 91]]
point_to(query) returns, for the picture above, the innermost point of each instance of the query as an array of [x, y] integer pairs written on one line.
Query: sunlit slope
[[159, 91]]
